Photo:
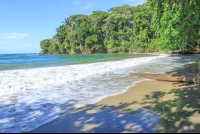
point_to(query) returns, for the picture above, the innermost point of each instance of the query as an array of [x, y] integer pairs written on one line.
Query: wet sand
[[149, 106]]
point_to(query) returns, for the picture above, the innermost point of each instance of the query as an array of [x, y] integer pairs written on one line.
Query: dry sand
[[149, 106]]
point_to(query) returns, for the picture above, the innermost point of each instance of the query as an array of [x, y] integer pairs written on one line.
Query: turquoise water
[[35, 89], [34, 60]]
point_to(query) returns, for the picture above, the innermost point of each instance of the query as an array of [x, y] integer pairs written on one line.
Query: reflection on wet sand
[[194, 67]]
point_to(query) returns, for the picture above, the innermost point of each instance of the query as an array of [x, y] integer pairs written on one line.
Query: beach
[[35, 97], [118, 69], [149, 106]]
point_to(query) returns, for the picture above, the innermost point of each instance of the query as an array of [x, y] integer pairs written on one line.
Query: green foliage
[[154, 26], [44, 44], [177, 22], [82, 32]]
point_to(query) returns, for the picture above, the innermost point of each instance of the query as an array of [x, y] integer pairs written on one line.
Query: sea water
[[35, 89]]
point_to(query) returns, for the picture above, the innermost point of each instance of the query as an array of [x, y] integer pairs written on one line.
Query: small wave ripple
[[33, 97]]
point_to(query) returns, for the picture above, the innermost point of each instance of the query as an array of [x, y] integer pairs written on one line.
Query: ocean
[[35, 89]]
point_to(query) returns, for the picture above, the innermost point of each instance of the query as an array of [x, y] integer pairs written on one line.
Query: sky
[[24, 23]]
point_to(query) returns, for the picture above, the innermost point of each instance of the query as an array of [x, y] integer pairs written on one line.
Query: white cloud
[[14, 35], [29, 0], [4, 48], [77, 2], [138, 2], [16, 48], [25, 45], [88, 6], [6, 42], [8, 46]]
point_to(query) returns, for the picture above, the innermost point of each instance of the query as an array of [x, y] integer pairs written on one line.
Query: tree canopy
[[177, 22], [153, 26]]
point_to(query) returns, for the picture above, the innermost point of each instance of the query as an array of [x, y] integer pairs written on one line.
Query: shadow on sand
[[181, 113], [178, 114]]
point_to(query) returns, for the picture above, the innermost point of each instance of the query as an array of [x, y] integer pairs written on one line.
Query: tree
[[82, 33], [177, 23], [142, 33], [44, 44], [121, 29]]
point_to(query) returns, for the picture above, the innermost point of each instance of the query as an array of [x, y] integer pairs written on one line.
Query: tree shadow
[[188, 67], [156, 115], [175, 112], [102, 118], [190, 72], [26, 115]]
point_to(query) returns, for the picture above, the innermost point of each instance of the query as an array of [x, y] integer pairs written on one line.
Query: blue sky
[[24, 23]]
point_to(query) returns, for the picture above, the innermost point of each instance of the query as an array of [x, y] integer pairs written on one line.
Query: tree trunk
[[176, 76], [80, 46]]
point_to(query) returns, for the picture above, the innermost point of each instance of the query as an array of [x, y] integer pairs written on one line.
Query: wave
[[33, 97], [33, 79]]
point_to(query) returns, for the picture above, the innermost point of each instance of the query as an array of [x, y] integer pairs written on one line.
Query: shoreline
[[157, 101], [42, 106], [46, 108], [140, 109], [134, 51]]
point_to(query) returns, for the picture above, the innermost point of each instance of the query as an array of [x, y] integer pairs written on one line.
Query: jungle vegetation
[[161, 25]]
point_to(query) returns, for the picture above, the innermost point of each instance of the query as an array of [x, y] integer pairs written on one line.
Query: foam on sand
[[33, 97], [32, 79]]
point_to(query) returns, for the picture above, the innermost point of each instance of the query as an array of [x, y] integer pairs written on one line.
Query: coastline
[[140, 109], [131, 51], [43, 106], [149, 106], [136, 52], [30, 109]]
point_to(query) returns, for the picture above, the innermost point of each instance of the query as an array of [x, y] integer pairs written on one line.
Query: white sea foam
[[32, 79], [33, 97]]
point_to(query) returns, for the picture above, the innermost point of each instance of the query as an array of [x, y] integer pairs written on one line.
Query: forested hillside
[[154, 26]]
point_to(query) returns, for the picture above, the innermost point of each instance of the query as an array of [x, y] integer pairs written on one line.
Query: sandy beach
[[96, 97], [149, 106]]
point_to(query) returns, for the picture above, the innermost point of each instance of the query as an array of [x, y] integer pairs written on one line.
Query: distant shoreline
[[137, 52]]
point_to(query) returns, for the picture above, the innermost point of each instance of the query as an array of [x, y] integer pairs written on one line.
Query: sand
[[149, 106]]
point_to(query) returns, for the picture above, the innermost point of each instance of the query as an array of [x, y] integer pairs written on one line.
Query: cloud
[[30, 1], [77, 2], [4, 48], [138, 2], [14, 35], [16, 48], [25, 45], [88, 6], [8, 46]]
